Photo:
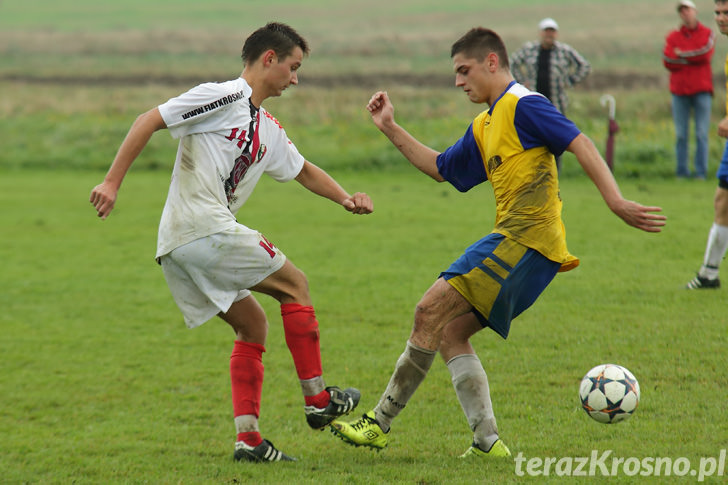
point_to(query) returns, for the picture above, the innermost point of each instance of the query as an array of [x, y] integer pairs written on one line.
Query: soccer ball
[[609, 393]]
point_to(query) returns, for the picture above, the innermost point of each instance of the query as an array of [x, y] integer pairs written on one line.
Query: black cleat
[[342, 403], [699, 283], [262, 453]]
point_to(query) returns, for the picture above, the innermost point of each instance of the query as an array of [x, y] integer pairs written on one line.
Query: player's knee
[[287, 285], [426, 319], [422, 311], [721, 206], [248, 327], [256, 335], [298, 286], [721, 197]]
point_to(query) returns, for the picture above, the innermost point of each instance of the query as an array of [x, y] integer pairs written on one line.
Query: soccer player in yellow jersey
[[717, 244], [513, 145]]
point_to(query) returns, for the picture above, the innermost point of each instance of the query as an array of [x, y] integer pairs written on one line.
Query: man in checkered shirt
[[549, 66]]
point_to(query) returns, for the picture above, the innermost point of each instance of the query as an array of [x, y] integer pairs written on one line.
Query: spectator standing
[[549, 67], [687, 54]]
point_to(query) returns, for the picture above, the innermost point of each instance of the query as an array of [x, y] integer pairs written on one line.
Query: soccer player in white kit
[[210, 260]]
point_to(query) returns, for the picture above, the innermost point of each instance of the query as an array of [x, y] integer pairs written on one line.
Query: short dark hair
[[478, 42], [277, 36]]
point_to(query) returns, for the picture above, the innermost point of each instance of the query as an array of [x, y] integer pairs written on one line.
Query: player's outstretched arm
[[633, 213], [103, 196], [321, 183], [419, 155]]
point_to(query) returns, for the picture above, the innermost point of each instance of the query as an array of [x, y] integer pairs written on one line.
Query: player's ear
[[268, 57], [492, 61]]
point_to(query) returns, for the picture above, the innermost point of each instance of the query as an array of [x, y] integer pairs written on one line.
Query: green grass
[[102, 383], [62, 127]]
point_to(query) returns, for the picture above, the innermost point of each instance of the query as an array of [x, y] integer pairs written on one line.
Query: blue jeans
[[700, 105]]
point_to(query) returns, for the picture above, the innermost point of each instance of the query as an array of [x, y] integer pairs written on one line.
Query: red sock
[[246, 376], [251, 438], [302, 338], [320, 400]]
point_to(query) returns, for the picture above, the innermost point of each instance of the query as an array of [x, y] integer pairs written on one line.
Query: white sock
[[471, 387], [410, 370], [313, 386], [246, 423], [714, 251]]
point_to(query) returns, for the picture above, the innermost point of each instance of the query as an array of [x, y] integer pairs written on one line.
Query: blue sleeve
[[461, 164], [538, 123]]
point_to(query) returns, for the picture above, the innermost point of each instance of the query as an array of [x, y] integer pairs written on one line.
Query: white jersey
[[225, 146]]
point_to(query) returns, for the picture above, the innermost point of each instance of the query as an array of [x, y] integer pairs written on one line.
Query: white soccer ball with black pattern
[[609, 393]]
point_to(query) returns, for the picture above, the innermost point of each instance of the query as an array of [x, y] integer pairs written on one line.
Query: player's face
[[284, 72], [721, 16], [473, 76]]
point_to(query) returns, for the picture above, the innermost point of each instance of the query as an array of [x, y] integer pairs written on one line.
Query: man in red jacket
[[687, 55]]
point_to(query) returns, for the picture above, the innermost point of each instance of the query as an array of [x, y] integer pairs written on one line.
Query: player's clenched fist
[[381, 109], [359, 203], [103, 199]]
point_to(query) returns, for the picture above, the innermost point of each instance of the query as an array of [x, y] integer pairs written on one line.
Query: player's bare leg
[[248, 320], [287, 285]]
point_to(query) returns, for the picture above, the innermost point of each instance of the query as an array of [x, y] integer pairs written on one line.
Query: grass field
[[101, 383]]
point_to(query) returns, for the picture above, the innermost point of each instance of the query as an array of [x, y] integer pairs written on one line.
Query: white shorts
[[208, 275]]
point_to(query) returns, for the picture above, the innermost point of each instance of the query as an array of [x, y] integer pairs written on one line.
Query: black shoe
[[264, 452], [699, 283], [342, 403]]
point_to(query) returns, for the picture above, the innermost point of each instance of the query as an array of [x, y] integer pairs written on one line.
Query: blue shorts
[[723, 169], [500, 278]]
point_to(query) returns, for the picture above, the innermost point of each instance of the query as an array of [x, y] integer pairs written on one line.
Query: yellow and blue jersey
[[513, 145]]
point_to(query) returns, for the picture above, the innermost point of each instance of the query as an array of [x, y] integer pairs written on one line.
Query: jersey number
[[240, 137], [268, 246]]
